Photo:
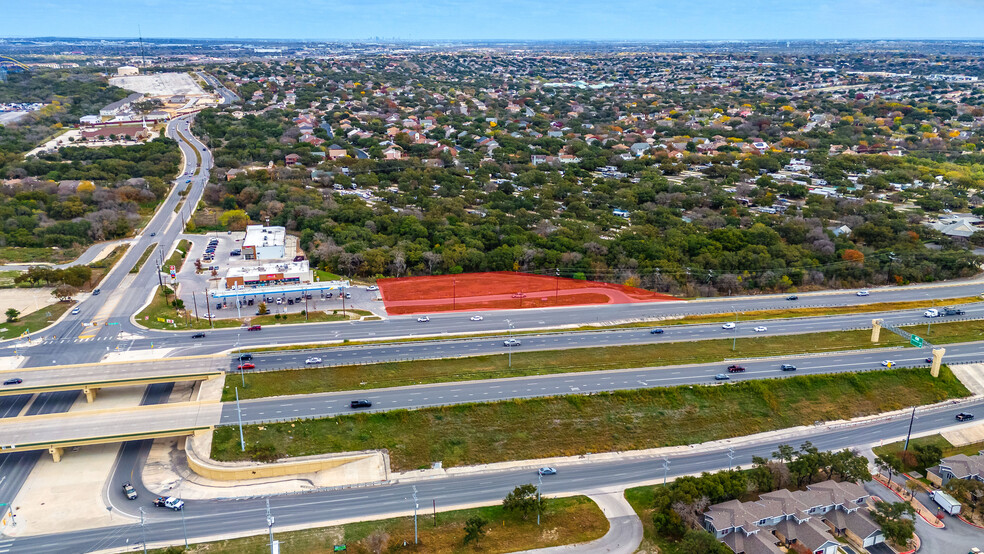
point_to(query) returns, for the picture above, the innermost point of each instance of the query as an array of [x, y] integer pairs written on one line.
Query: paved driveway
[[956, 538]]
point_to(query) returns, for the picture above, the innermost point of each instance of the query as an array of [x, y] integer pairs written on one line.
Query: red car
[[734, 368], [246, 366], [254, 328]]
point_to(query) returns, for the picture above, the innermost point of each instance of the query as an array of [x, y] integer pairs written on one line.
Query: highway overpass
[[56, 432], [89, 378]]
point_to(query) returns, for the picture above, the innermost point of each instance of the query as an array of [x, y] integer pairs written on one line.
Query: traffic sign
[[915, 341]]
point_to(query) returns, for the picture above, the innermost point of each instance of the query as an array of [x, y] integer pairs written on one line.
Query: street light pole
[[510, 346], [539, 483], [415, 506], [143, 530], [183, 527], [734, 341], [731, 457], [929, 327], [666, 469], [912, 418], [557, 287], [269, 517], [239, 412]]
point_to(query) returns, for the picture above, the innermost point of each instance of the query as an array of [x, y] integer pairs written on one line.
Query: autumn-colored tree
[[851, 255]]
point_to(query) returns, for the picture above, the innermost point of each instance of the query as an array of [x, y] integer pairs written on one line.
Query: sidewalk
[[624, 533]]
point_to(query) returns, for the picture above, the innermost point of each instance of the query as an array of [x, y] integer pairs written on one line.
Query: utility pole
[[912, 418], [208, 310], [557, 287], [143, 530], [731, 457], [415, 506], [305, 306], [239, 412], [510, 346], [666, 469], [241, 374], [270, 524], [342, 289], [194, 299]]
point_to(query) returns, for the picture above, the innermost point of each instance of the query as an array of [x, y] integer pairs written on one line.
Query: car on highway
[[246, 365], [792, 297], [96, 292], [929, 360], [254, 328], [423, 319], [721, 377], [153, 234], [75, 311], [656, 331], [314, 360], [245, 356], [14, 381], [547, 471], [198, 336], [729, 325], [511, 342], [787, 367], [476, 318], [761, 329], [887, 363], [360, 404], [862, 293], [169, 502], [735, 368], [129, 491], [964, 416]]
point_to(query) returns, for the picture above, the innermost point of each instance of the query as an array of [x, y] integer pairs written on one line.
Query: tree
[[698, 540], [524, 500], [928, 455], [784, 453], [474, 528], [262, 308], [895, 519], [851, 255], [12, 315], [64, 292], [890, 464]]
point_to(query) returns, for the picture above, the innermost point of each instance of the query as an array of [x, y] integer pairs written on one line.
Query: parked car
[[129, 491], [787, 367], [862, 293], [761, 329], [75, 311], [656, 331], [547, 471], [728, 325], [423, 319], [198, 336], [298, 258], [511, 342], [476, 318], [314, 360], [360, 404], [721, 377], [14, 381], [735, 368], [964, 416], [371, 288], [792, 297], [254, 327], [247, 365]]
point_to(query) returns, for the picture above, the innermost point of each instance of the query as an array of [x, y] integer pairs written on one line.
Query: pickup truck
[[169, 502], [735, 368]]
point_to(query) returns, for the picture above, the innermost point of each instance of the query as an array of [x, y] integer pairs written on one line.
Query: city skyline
[[504, 20]]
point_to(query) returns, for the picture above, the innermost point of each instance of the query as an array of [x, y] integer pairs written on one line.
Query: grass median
[[178, 256], [573, 425], [394, 374], [946, 332], [565, 521], [143, 258]]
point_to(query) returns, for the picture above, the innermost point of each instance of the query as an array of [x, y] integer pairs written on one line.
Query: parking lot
[[192, 285]]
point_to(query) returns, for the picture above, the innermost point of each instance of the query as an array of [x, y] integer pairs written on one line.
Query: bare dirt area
[[26, 300], [160, 84]]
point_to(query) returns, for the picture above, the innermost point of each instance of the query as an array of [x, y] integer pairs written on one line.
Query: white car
[[476, 318], [862, 293], [423, 319], [511, 342], [75, 311], [729, 325], [887, 363], [761, 329], [312, 361], [372, 288]]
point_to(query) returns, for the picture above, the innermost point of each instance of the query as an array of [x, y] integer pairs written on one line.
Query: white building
[[126, 70], [268, 275], [264, 243]]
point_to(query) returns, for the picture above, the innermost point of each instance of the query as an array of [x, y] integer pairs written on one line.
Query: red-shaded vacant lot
[[502, 290]]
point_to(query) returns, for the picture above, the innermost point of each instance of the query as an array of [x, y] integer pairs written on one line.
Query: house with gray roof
[[959, 466]]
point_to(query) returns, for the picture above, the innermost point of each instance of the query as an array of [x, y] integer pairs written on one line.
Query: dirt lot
[[25, 300], [161, 84]]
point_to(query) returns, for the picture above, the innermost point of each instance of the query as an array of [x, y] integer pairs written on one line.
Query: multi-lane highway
[[222, 517]]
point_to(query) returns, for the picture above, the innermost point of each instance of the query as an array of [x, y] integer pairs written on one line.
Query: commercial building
[[264, 243], [267, 275]]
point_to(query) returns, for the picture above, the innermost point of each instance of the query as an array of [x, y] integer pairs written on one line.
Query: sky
[[498, 19]]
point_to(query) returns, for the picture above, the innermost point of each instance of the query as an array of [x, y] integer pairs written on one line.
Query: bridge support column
[[937, 360], [56, 452], [90, 394], [875, 329]]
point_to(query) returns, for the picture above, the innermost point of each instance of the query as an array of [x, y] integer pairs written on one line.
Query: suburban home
[[335, 151], [291, 159], [960, 466], [958, 225], [804, 521]]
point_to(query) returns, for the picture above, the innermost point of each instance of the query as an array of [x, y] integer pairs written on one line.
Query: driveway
[[624, 533], [957, 537]]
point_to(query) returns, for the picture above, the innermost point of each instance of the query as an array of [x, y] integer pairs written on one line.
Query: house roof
[[963, 466]]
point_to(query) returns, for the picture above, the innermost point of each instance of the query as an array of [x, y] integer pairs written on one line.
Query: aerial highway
[[210, 518]]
